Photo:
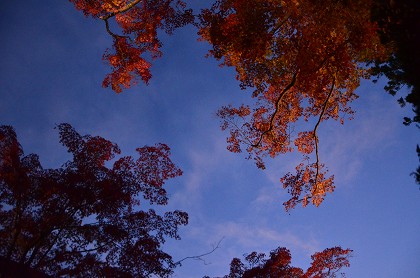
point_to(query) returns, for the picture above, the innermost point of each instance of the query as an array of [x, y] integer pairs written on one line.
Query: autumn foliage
[[324, 264], [139, 22], [302, 60], [86, 219]]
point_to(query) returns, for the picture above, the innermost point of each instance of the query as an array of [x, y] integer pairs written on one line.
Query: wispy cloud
[[251, 237], [205, 161], [346, 149]]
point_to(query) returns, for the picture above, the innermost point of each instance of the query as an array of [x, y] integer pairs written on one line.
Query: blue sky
[[51, 72]]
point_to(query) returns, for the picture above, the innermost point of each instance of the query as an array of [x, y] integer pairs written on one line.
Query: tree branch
[[324, 107], [281, 23], [112, 33], [121, 10], [109, 30], [16, 231], [199, 257], [285, 90]]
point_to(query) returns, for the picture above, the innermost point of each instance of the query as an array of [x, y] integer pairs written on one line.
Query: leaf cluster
[[256, 265], [139, 22], [303, 60]]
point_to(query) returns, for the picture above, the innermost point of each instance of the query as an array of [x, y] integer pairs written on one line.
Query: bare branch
[[324, 107], [115, 36], [200, 257], [108, 29]]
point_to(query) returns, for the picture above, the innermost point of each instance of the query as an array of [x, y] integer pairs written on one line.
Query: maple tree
[[84, 218], [302, 60], [324, 264], [139, 21]]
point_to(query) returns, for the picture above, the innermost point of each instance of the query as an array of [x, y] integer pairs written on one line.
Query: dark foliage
[[83, 219], [11, 269], [399, 23], [398, 26], [416, 174]]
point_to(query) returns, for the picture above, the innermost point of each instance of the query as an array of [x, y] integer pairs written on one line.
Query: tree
[[84, 218], [324, 264], [303, 60], [140, 21], [398, 28]]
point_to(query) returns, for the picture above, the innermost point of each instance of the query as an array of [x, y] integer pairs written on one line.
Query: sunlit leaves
[[84, 219], [328, 262], [127, 65], [324, 264], [303, 60], [138, 43], [309, 184]]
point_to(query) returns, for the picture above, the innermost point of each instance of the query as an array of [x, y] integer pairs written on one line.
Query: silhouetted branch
[[200, 257], [324, 107]]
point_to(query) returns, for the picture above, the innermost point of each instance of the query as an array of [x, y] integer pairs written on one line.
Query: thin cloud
[[204, 161], [346, 149], [256, 237]]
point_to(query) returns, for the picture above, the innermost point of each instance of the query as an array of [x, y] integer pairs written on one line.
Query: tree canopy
[[299, 61], [84, 218], [324, 264], [398, 29], [302, 60]]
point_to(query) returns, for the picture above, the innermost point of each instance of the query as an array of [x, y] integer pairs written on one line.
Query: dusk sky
[[51, 71]]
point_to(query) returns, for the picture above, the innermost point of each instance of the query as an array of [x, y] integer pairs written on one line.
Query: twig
[[199, 257]]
